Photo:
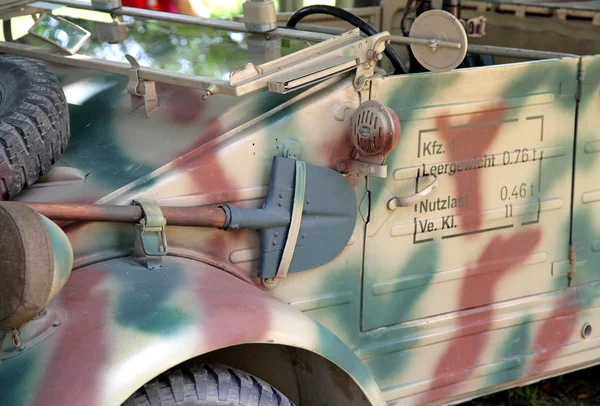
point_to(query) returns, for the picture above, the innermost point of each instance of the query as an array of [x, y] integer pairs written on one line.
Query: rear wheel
[[34, 123], [200, 383]]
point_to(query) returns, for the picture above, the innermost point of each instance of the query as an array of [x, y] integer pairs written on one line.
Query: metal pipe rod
[[429, 42], [193, 20], [217, 23], [121, 68], [516, 52], [479, 49], [398, 39], [175, 216], [194, 216]]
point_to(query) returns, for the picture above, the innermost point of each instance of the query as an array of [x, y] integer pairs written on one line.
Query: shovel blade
[[329, 213]]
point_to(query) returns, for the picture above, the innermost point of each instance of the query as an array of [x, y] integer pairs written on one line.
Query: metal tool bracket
[[295, 221], [152, 233], [291, 149], [136, 87], [349, 165]]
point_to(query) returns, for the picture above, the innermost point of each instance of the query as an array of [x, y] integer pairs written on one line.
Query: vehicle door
[[491, 148]]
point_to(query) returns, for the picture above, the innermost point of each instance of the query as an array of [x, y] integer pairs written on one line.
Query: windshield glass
[[177, 47]]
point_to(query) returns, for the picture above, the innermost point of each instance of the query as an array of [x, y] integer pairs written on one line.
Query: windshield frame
[[209, 84]]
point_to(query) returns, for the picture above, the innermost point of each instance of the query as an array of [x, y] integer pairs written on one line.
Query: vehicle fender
[[118, 325]]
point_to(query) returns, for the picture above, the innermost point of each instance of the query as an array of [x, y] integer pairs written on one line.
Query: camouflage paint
[[557, 331], [505, 315], [97, 370], [454, 364], [86, 304], [11, 379], [586, 230], [516, 344]]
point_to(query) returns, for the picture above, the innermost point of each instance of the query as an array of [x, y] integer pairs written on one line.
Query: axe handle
[[212, 216]]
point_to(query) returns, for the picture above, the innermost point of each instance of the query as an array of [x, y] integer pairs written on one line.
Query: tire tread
[[201, 383], [34, 124]]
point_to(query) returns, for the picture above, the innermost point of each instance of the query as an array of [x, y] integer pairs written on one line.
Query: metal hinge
[[573, 263], [349, 165], [567, 266], [579, 82]]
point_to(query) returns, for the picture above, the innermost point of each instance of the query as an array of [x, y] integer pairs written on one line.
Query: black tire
[[197, 383], [34, 123]]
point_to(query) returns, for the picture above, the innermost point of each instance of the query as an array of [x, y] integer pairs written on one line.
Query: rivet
[[275, 234], [303, 236], [586, 330], [307, 201], [56, 323], [274, 242], [280, 204], [281, 195]]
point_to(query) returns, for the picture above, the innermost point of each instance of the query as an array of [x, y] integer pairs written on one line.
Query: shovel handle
[[211, 216]]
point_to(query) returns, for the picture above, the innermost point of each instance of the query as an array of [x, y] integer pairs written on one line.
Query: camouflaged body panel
[[473, 287]]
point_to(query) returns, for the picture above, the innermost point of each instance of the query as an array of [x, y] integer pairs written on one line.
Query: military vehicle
[[260, 212]]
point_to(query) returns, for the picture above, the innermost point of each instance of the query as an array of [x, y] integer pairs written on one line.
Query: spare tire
[[34, 123]]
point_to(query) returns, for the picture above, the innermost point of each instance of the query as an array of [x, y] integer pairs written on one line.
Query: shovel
[[306, 221]]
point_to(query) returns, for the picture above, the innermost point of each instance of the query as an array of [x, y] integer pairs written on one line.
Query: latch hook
[[145, 89], [406, 201], [152, 233]]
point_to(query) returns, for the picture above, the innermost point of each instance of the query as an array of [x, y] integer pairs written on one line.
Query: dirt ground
[[581, 388]]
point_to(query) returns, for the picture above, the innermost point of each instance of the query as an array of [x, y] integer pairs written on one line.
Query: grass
[[581, 388]]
